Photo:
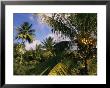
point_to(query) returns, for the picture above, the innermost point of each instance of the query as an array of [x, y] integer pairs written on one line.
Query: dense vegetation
[[59, 58]]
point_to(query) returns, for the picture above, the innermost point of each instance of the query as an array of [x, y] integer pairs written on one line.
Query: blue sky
[[42, 30]]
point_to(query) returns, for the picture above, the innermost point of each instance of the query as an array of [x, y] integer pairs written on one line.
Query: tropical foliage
[[59, 58]]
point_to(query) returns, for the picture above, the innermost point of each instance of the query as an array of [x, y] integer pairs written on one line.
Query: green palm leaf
[[59, 69]]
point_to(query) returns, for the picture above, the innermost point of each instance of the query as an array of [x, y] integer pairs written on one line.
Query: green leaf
[[60, 69]]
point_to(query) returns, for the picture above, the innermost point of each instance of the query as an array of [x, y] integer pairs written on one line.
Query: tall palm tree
[[25, 33]]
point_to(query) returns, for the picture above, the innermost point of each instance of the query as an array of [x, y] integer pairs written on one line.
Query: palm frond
[[60, 69]]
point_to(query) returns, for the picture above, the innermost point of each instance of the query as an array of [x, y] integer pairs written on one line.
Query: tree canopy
[[60, 58]]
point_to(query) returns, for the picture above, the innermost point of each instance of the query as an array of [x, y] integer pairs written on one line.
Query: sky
[[42, 30]]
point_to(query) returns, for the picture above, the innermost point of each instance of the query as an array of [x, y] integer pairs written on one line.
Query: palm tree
[[86, 24], [48, 44], [38, 52], [25, 33]]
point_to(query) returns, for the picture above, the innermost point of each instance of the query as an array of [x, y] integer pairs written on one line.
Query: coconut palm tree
[[25, 33]]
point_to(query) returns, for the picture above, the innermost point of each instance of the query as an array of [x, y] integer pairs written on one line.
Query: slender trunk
[[86, 65], [86, 69], [21, 59]]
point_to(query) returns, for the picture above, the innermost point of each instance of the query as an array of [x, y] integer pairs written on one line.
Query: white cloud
[[29, 46], [42, 17], [45, 14], [31, 18]]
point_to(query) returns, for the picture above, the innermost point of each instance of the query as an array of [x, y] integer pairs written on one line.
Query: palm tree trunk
[[86, 69], [21, 59]]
